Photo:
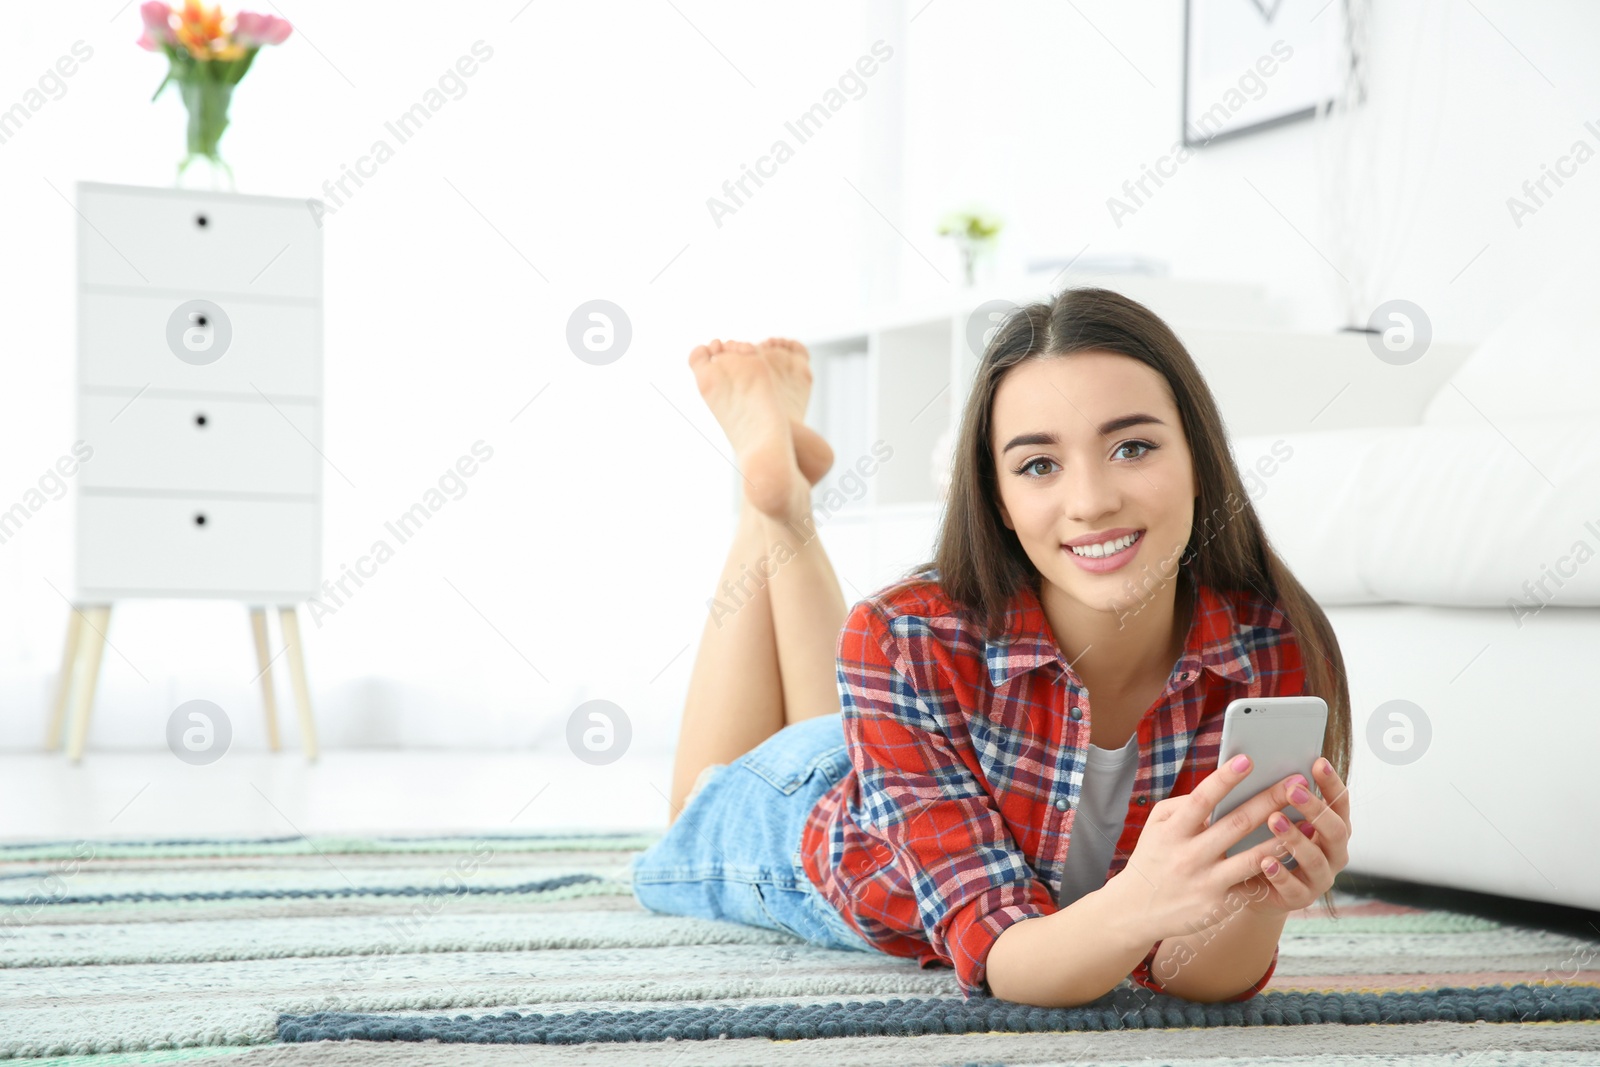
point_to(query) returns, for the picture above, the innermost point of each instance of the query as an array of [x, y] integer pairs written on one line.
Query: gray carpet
[[187, 952]]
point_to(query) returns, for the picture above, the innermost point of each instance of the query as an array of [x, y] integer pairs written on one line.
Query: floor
[[153, 795], [132, 795]]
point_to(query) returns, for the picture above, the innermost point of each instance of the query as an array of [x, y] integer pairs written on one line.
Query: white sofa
[[1419, 538], [1415, 504]]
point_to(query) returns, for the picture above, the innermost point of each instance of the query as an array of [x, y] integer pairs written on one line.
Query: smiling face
[[1069, 463]]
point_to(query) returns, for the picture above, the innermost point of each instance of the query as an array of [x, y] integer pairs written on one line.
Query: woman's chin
[[1124, 590]]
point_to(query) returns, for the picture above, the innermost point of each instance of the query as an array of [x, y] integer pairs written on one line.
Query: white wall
[[1038, 112], [590, 143]]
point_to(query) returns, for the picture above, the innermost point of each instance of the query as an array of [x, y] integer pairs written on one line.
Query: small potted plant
[[207, 54], [975, 231]]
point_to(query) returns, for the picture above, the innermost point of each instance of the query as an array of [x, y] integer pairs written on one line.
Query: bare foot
[[742, 391], [813, 453], [791, 366]]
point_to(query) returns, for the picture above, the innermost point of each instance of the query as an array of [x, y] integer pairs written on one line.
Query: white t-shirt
[[1102, 810]]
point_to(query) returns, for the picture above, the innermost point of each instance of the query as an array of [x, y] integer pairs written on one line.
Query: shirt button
[[1142, 799], [1076, 713], [1061, 805]]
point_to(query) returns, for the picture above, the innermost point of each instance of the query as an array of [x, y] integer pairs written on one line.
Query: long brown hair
[[982, 564]]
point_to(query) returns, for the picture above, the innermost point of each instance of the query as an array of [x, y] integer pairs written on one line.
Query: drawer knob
[[200, 419], [198, 332], [199, 518]]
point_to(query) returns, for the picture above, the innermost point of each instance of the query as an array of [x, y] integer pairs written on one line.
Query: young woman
[[1005, 761]]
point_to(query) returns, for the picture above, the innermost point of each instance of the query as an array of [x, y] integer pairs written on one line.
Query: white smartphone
[[1281, 735]]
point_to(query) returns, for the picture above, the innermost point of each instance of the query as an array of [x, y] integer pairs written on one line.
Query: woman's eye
[[1030, 469]]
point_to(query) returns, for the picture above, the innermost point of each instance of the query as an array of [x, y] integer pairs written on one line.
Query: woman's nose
[[1087, 494]]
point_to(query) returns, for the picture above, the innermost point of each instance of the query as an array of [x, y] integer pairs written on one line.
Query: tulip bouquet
[[207, 54]]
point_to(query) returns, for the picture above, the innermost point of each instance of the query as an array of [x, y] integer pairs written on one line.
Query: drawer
[[161, 443], [123, 343], [268, 551], [190, 240]]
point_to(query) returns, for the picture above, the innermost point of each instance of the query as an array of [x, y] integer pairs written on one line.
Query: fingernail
[[1299, 795], [1306, 829], [1272, 866], [1240, 763]]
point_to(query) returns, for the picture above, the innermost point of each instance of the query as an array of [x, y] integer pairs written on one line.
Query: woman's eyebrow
[[1121, 422]]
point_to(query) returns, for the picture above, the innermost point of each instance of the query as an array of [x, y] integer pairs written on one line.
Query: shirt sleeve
[[926, 802]]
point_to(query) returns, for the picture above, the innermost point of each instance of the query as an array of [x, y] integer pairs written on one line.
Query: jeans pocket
[[789, 758], [805, 914], [787, 911]]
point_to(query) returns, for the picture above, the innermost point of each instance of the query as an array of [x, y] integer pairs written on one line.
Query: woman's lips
[[1103, 564]]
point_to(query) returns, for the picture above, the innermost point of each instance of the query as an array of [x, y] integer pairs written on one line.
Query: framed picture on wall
[[1250, 65]]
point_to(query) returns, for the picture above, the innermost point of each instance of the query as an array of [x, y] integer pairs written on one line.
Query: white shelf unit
[[889, 386], [903, 373], [200, 393]]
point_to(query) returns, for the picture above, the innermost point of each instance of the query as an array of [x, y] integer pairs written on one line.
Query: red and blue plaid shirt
[[968, 757]]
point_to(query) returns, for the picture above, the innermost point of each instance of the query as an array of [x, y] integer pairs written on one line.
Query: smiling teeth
[[1106, 549]]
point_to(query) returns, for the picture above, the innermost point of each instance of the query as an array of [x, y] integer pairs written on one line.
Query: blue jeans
[[734, 852]]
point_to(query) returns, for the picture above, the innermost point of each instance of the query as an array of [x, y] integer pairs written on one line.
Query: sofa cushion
[[1458, 515], [1439, 514], [1306, 486]]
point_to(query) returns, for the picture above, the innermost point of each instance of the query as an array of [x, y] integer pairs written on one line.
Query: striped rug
[[531, 949]]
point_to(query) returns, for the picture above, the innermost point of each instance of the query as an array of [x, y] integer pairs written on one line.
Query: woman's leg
[[808, 608], [766, 654]]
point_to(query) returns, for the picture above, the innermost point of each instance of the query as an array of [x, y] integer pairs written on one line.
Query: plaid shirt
[[968, 757]]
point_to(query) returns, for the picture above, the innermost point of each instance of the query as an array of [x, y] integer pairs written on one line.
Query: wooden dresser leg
[[269, 700], [290, 623], [95, 620], [69, 666]]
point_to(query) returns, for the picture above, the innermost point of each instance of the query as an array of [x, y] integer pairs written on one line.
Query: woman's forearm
[[1222, 960], [1071, 956]]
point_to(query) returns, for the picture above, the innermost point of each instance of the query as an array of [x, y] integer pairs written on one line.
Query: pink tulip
[[253, 30], [157, 27]]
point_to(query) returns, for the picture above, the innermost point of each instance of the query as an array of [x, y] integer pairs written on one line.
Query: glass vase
[[977, 257], [202, 166]]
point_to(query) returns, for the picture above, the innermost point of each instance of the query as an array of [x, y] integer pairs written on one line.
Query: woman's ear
[[1005, 516]]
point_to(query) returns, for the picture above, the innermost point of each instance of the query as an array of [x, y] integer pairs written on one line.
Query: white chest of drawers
[[200, 393]]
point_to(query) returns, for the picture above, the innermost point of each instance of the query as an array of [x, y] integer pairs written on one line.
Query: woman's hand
[[1179, 876], [1319, 844]]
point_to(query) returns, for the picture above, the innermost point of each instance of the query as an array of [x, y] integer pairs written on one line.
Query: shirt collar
[[1216, 640]]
